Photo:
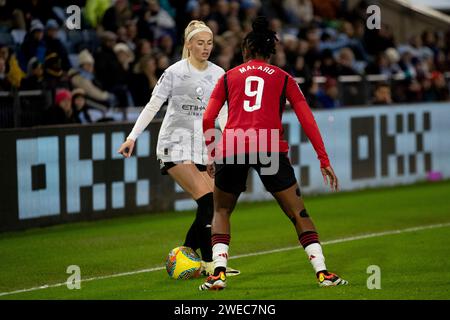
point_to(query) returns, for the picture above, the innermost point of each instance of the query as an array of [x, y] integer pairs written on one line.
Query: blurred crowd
[[123, 46]]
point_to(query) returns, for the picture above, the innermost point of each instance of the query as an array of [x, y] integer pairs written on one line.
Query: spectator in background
[[116, 16], [121, 34], [250, 10], [192, 10], [213, 25], [352, 40], [224, 62], [326, 9], [36, 9], [55, 45], [162, 63], [328, 66], [290, 44], [439, 87], [165, 43], [413, 91], [393, 58], [346, 61], [54, 75], [35, 76], [124, 55], [205, 10], [14, 73], [10, 16], [157, 20], [321, 46], [298, 11], [310, 90], [143, 48], [271, 9], [406, 63], [144, 80], [234, 26], [61, 112], [79, 106], [382, 94], [429, 40], [234, 9], [328, 98], [94, 11], [5, 52], [312, 36], [442, 64], [131, 34], [418, 50], [301, 69], [33, 45], [279, 59], [107, 66], [5, 85], [227, 48], [378, 40], [428, 93], [220, 14], [84, 78], [108, 69], [380, 65]]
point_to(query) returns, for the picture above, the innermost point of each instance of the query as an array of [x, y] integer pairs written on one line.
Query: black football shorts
[[231, 176], [164, 166]]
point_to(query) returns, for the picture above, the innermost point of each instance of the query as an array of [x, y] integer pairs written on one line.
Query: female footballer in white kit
[[181, 150]]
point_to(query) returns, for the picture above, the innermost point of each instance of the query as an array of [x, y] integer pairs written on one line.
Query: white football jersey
[[187, 90]]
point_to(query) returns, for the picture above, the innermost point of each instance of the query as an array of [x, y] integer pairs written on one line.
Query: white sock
[[315, 256], [220, 255]]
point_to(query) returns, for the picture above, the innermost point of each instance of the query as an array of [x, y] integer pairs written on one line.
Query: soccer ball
[[183, 263]]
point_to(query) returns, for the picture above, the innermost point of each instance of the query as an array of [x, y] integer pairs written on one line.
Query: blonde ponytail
[[192, 28]]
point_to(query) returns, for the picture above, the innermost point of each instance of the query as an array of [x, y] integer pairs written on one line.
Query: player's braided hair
[[261, 40]]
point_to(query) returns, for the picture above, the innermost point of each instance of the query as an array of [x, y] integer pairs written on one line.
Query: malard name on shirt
[[252, 67]]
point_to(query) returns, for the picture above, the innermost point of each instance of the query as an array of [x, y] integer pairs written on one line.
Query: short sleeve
[[163, 88]]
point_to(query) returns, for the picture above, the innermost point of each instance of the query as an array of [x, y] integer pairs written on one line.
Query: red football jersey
[[256, 93]]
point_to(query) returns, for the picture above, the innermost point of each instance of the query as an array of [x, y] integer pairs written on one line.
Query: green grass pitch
[[414, 263]]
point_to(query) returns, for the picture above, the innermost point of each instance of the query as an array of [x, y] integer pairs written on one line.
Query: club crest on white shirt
[[200, 92]]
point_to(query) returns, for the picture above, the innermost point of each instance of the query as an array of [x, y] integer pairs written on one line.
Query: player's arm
[[160, 94], [309, 125], [215, 104], [223, 117]]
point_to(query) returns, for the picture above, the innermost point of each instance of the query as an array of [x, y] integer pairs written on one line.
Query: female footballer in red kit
[[256, 93]]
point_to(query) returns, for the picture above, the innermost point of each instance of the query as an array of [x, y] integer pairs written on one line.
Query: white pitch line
[[347, 239], [363, 236]]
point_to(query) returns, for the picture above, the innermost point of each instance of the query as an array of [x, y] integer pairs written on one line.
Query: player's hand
[[211, 169], [328, 174], [126, 149]]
